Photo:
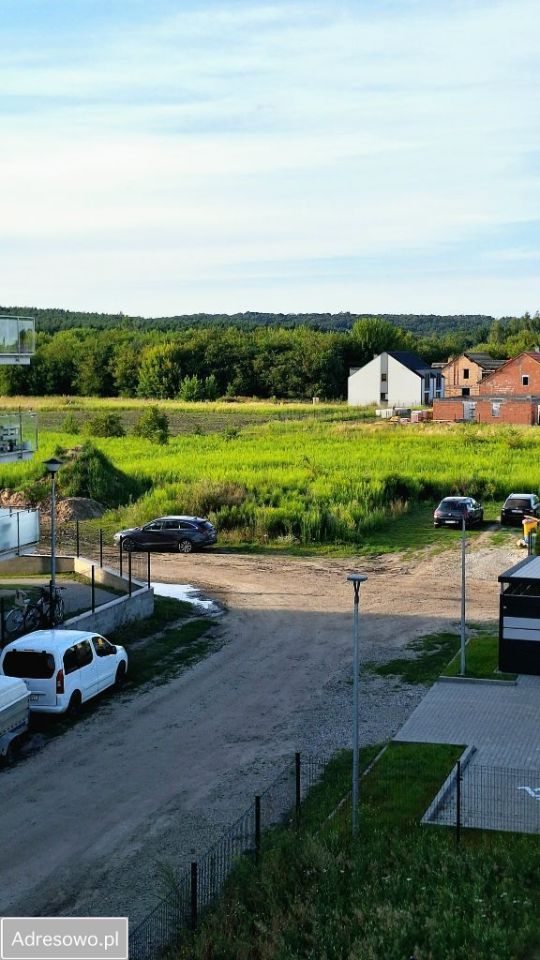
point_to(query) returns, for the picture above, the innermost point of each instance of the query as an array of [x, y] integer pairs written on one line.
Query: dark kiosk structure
[[519, 618]]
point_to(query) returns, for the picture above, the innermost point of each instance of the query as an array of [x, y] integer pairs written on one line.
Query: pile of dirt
[[79, 508], [67, 508], [15, 499]]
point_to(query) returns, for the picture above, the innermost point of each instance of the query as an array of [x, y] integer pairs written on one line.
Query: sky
[[218, 156]]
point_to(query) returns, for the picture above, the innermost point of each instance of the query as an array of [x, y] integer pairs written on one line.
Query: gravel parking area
[[152, 778]]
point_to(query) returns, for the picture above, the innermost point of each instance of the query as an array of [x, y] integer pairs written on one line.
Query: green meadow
[[298, 477]]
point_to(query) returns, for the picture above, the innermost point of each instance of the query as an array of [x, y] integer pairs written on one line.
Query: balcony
[[18, 436], [17, 339]]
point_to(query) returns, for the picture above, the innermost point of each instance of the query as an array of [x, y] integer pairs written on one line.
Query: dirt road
[[151, 778]]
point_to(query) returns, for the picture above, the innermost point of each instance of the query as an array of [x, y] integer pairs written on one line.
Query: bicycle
[[33, 614]]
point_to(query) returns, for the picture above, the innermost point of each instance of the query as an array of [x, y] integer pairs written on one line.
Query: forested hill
[[425, 325]]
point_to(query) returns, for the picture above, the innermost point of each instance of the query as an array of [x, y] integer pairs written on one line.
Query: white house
[[396, 378]]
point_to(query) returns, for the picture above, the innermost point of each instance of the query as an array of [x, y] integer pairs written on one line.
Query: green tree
[[191, 389], [210, 388], [153, 424], [371, 336]]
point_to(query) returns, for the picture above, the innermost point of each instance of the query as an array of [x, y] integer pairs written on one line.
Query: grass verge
[[398, 890], [438, 655]]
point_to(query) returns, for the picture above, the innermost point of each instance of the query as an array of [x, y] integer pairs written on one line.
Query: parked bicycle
[[46, 611]]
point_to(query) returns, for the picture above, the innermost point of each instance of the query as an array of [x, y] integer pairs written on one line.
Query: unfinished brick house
[[463, 375], [509, 394]]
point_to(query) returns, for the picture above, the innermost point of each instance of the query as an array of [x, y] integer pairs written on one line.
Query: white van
[[63, 668]]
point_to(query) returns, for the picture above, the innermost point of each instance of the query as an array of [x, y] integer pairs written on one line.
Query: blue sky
[[170, 157]]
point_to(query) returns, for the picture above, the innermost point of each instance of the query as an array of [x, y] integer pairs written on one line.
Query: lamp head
[[53, 465], [357, 577]]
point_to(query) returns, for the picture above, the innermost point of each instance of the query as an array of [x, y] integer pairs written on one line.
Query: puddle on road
[[188, 593]]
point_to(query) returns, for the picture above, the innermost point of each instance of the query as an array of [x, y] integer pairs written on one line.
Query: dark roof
[[410, 360], [484, 360]]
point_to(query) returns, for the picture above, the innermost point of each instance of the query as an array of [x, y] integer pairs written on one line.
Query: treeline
[[473, 327], [207, 363]]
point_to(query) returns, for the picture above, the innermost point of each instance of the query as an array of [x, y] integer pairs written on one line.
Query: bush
[[105, 425], [153, 424], [191, 389], [70, 424]]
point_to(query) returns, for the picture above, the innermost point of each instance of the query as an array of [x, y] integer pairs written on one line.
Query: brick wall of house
[[448, 410], [455, 380], [491, 410], [509, 378]]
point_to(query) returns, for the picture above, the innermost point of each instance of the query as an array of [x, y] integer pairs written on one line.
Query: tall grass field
[[320, 477]]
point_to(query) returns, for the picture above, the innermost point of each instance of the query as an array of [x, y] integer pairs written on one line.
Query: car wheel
[[120, 678], [9, 755], [185, 546], [74, 705], [128, 544]]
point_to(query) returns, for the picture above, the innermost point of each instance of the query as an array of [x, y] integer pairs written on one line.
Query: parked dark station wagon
[[182, 534]]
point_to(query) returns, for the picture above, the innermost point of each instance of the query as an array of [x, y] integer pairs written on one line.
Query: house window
[[384, 397], [496, 408], [383, 377], [465, 391], [465, 373], [525, 380]]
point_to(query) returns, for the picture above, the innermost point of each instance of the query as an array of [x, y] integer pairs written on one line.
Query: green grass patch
[[160, 646], [433, 653], [438, 654], [398, 890], [481, 659]]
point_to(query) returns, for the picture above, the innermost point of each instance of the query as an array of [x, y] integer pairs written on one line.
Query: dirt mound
[[15, 499], [67, 508], [79, 508]]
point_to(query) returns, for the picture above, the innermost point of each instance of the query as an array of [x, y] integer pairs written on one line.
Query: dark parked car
[[182, 534], [451, 511], [519, 505]]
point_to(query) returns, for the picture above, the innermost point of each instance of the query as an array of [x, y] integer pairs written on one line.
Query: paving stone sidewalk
[[501, 783]]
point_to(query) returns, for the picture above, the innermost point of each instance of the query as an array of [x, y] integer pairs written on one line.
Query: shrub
[[105, 425], [153, 424], [70, 424], [191, 389]]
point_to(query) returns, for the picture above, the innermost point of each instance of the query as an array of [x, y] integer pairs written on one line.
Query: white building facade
[[395, 378]]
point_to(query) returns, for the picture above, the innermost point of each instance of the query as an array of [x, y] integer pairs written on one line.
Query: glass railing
[[18, 436], [18, 528], [17, 339]]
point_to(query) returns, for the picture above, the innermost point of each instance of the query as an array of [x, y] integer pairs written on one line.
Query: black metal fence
[[169, 922], [81, 538], [476, 796]]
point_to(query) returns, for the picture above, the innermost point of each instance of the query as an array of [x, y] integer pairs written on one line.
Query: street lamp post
[[462, 665], [356, 579], [52, 466]]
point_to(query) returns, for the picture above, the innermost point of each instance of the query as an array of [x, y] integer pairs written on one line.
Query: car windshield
[[453, 505], [518, 503], [31, 664], [205, 525]]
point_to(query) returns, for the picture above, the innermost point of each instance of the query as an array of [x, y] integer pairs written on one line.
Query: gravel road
[[153, 777]]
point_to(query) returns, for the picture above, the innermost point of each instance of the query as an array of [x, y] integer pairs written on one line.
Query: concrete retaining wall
[[106, 617]]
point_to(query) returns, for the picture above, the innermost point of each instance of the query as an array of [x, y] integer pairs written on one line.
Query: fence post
[[458, 802], [298, 786], [18, 535], [257, 828], [93, 589], [148, 570], [194, 891], [101, 546], [121, 553], [2, 622], [77, 539], [129, 573]]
